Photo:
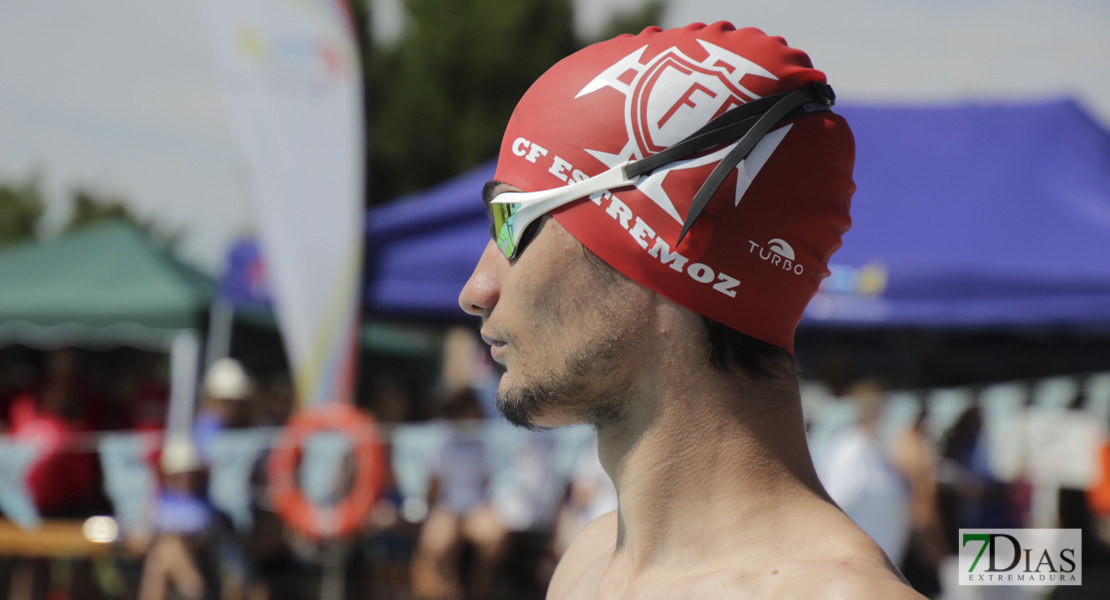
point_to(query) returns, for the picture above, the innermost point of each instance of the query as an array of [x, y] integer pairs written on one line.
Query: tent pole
[[184, 359], [218, 342]]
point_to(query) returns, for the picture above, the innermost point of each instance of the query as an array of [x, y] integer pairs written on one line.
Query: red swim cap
[[754, 257]]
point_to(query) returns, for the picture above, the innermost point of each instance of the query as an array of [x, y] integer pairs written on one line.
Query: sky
[[121, 96]]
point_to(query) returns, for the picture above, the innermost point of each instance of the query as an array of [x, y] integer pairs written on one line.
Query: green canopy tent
[[101, 283], [108, 284]]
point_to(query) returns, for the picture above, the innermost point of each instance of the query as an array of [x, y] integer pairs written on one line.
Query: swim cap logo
[[781, 248], [671, 96], [779, 253]]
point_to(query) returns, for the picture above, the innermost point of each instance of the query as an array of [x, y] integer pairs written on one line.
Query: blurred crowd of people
[[448, 534], [468, 510], [912, 485]]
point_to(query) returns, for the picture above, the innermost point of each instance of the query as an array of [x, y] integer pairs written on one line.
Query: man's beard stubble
[[598, 402], [585, 388]]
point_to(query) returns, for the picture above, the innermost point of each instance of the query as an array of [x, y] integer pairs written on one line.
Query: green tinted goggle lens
[[502, 229]]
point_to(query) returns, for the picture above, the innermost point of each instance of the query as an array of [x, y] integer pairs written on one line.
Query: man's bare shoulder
[[786, 579], [847, 565], [843, 578], [583, 564]]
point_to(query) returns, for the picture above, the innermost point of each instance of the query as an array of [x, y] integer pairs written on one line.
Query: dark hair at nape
[[730, 349]]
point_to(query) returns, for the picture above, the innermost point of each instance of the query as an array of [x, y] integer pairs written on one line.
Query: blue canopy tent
[[976, 215], [984, 215], [421, 249]]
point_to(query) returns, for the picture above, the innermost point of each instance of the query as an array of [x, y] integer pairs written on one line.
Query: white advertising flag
[[290, 71]]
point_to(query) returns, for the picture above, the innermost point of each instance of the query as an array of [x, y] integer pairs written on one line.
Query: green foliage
[[91, 207], [21, 209], [440, 96], [22, 206]]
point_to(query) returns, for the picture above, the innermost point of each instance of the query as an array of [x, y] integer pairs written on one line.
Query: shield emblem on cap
[[676, 95]]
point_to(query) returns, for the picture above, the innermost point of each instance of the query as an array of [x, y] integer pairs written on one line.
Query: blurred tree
[[439, 97], [91, 207], [22, 206], [21, 209]]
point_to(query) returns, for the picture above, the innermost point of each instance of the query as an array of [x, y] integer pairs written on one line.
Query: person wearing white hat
[[227, 389]]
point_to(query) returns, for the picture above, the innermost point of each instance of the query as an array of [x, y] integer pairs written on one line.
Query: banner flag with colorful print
[[290, 71]]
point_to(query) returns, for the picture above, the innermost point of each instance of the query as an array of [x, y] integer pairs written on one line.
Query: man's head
[[745, 201]]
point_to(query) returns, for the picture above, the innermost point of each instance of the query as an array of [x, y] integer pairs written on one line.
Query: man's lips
[[496, 346]]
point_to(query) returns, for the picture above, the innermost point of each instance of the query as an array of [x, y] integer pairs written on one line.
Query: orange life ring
[[298, 511], [1098, 496]]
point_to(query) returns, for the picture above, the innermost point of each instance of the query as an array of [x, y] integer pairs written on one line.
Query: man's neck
[[701, 464]]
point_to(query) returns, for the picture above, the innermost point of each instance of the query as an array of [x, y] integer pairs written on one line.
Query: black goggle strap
[[769, 119], [746, 121], [725, 128]]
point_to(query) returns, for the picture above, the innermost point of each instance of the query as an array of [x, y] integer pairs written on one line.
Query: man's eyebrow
[[487, 191]]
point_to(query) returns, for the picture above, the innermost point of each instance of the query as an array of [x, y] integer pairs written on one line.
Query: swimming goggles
[[513, 212]]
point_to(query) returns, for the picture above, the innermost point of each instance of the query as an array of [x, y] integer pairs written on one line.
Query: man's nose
[[483, 289]]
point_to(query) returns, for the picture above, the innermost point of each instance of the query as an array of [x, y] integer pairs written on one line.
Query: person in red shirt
[[62, 480]]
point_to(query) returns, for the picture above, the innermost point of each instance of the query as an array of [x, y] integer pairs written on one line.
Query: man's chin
[[515, 413], [522, 410]]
